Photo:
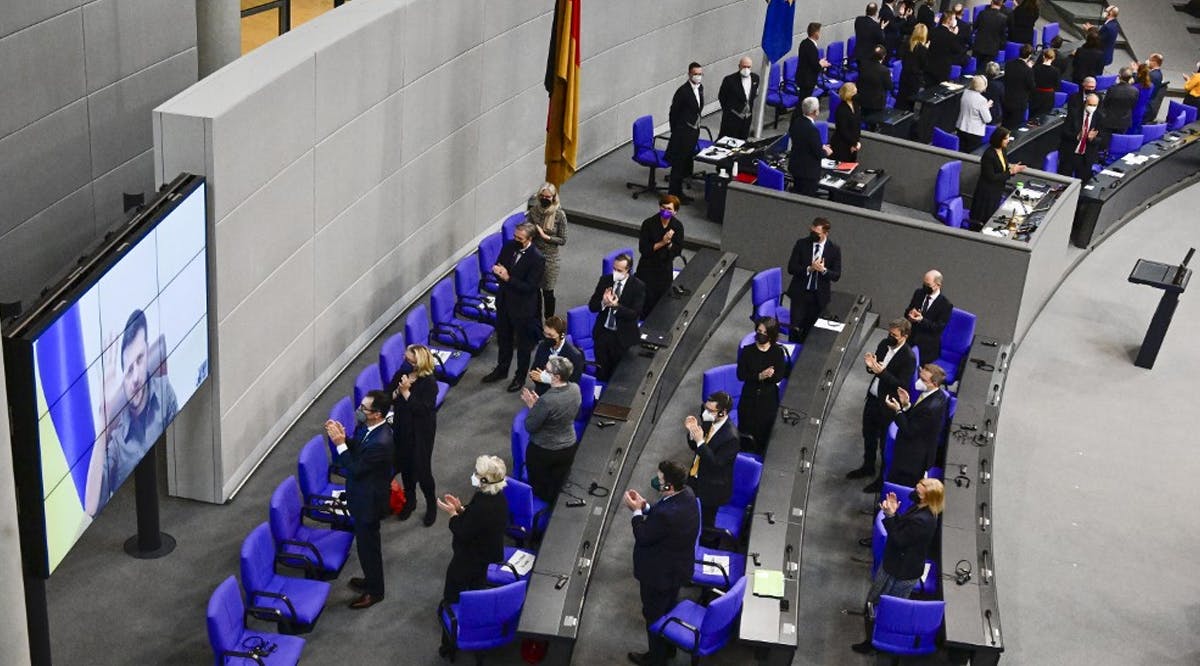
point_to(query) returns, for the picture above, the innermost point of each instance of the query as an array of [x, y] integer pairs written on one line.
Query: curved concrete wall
[[353, 160]]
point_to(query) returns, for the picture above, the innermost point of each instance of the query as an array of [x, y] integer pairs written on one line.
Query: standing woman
[[414, 422], [994, 171], [848, 125], [974, 113], [1021, 24], [1145, 90], [660, 241], [1046, 79], [916, 63], [550, 222], [760, 368]]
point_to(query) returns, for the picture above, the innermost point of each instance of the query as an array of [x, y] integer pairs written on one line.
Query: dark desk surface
[[1103, 186], [888, 117], [943, 91], [1033, 140], [1021, 213]]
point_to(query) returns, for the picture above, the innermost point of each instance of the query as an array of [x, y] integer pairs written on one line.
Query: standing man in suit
[[1110, 30], [1018, 86], [617, 301], [965, 32], [1076, 102], [945, 49], [367, 459], [716, 444], [909, 543], [1118, 104], [991, 33], [928, 312], [554, 343], [664, 546], [874, 83], [1155, 61], [809, 64], [804, 160], [519, 269], [815, 264], [891, 27], [684, 117], [868, 33], [737, 95], [892, 365], [1080, 140], [919, 426]]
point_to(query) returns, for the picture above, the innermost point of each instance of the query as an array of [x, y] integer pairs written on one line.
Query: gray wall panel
[[358, 71], [500, 16], [436, 179], [356, 157], [46, 244], [363, 234], [435, 32], [127, 36], [512, 62], [41, 70], [136, 175], [500, 139], [914, 167], [180, 146], [117, 114], [433, 109], [42, 163], [20, 14], [494, 196]]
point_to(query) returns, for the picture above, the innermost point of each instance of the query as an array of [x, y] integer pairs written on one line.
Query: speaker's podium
[[1172, 280]]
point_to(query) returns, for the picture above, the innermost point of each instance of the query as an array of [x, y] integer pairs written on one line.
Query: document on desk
[[444, 355], [999, 232], [836, 326], [522, 561], [730, 142], [1135, 160], [768, 583], [1110, 172], [952, 87], [715, 153], [721, 563], [831, 182]]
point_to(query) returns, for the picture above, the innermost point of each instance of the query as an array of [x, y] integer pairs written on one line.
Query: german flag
[[562, 82]]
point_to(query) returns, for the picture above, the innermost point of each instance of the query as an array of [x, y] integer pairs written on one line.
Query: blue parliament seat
[[714, 568], [1068, 87], [519, 443], [606, 263], [731, 518], [367, 380], [782, 95], [1060, 99], [1105, 81], [1050, 163], [907, 627], [509, 225], [769, 177], [1120, 145], [503, 573], [472, 303], [766, 297], [580, 321], [947, 194], [646, 154], [343, 413], [450, 366], [293, 604], [1189, 112], [723, 378], [487, 254], [233, 643], [702, 630], [317, 488], [483, 619], [1049, 32], [1153, 132], [527, 515], [956, 343], [944, 139], [465, 334], [320, 552]]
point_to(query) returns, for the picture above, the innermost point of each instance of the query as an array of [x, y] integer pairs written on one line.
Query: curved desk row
[[631, 404], [1034, 140], [777, 525], [972, 621]]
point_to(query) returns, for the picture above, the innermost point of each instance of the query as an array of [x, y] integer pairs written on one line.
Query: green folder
[[768, 583]]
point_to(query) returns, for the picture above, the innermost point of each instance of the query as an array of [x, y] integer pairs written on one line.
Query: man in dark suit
[[1118, 104], [1018, 85], [892, 365], [926, 15], [367, 459], [966, 33], [868, 33], [809, 64], [1076, 102], [1155, 62], [519, 269], [928, 312], [815, 264], [716, 444], [874, 83], [737, 95], [804, 160], [991, 33], [664, 547], [945, 49], [617, 301], [919, 426], [891, 27], [554, 343], [1110, 30], [1080, 140], [684, 117]]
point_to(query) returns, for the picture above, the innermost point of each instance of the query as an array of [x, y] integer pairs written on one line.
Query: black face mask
[[927, 289], [914, 496], [893, 341], [760, 338], [814, 237], [546, 202], [553, 341]]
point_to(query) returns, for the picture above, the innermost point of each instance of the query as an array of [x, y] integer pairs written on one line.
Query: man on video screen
[[148, 403]]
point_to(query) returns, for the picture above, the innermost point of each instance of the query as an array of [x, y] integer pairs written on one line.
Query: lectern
[[1172, 280]]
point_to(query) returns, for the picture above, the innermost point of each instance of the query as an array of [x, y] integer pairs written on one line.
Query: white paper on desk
[[1022, 129], [1135, 160], [714, 153], [925, 573], [1031, 194], [1110, 172], [523, 560], [597, 390], [951, 86], [835, 183], [828, 164], [730, 142], [836, 326], [721, 560], [1089, 187], [997, 232], [443, 355]]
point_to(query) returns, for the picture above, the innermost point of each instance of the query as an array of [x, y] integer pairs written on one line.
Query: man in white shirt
[[892, 367]]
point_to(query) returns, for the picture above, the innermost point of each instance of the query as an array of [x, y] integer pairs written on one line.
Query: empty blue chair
[[646, 154], [321, 553], [947, 194], [519, 443], [731, 517], [503, 573], [944, 139], [580, 321], [699, 630], [321, 502], [366, 381], [1068, 87], [714, 568], [343, 413], [889, 447], [956, 72], [468, 335], [1049, 32], [956, 343], [450, 366], [1051, 162], [509, 225], [823, 130], [527, 515], [723, 378], [907, 627], [1153, 132], [606, 263], [1122, 144], [587, 393], [1177, 121], [766, 296], [781, 87], [1012, 51], [988, 130], [952, 213], [834, 102], [1174, 109], [976, 11], [233, 642], [487, 253], [293, 604], [835, 53], [1105, 81], [971, 67], [472, 303], [769, 177], [391, 357], [851, 49], [483, 619], [1060, 99]]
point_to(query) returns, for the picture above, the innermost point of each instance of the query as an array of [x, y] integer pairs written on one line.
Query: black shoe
[[514, 386], [639, 658], [365, 601], [874, 486], [864, 647], [495, 375], [865, 542], [860, 473], [359, 584], [409, 507], [430, 516]]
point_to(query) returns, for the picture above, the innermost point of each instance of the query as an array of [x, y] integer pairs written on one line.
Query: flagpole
[[761, 102]]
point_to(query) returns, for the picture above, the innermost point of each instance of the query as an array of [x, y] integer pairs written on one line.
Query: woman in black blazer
[[1088, 60], [414, 422], [760, 367], [915, 70], [478, 528], [1023, 19], [994, 171], [848, 118]]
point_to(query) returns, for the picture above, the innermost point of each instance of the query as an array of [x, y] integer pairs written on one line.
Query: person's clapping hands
[[889, 505], [529, 397], [634, 500]]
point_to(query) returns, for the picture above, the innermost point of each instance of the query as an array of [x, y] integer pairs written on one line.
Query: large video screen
[[117, 365]]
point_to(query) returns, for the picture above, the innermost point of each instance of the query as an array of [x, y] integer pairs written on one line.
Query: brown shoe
[[365, 601]]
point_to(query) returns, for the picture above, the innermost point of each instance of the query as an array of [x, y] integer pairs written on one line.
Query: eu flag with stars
[[777, 29]]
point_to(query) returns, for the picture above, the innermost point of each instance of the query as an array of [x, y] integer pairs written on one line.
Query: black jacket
[[868, 34], [732, 97], [1086, 62], [713, 482], [846, 132], [927, 334], [804, 161], [478, 539], [414, 420], [991, 34], [684, 117], [808, 68], [1018, 84], [541, 354], [629, 308], [989, 189], [945, 50], [368, 466], [656, 267], [919, 432], [797, 267], [909, 540], [874, 84], [1021, 24], [664, 541], [898, 373], [914, 73], [1072, 127], [520, 295], [1117, 105]]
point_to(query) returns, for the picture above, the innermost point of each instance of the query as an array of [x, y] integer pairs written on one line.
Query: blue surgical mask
[[666, 213], [544, 377], [360, 417]]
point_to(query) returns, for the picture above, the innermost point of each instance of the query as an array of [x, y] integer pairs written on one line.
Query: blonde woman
[[550, 233], [414, 424], [848, 121], [914, 68], [478, 528]]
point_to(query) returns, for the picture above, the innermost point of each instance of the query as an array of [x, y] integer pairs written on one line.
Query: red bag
[[397, 499]]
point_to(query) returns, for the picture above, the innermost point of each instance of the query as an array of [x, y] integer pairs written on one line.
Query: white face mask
[[745, 72], [921, 386], [1091, 109], [708, 416], [696, 78], [619, 276], [475, 481], [544, 377]]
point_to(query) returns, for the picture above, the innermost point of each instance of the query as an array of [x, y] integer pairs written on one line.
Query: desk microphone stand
[[1172, 280]]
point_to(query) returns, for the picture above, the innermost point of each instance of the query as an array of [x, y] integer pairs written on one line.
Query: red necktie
[[1083, 136]]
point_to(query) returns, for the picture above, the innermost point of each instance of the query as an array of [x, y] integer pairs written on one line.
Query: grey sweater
[[551, 420]]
